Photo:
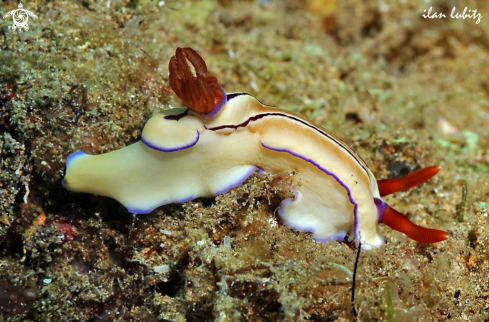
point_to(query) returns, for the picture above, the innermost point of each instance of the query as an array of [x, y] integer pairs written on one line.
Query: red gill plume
[[199, 91]]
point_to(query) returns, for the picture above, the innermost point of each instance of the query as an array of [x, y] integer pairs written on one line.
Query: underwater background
[[404, 91]]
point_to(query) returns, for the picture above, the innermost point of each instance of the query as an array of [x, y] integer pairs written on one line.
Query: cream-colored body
[[330, 181]]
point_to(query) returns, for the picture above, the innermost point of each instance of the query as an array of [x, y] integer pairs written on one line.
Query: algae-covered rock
[[405, 92]]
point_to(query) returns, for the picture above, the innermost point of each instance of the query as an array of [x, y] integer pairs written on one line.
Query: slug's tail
[[397, 221], [412, 179]]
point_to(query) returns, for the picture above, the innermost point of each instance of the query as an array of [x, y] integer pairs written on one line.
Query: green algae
[[463, 202]]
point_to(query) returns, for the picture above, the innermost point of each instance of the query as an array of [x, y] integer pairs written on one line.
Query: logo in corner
[[20, 17]]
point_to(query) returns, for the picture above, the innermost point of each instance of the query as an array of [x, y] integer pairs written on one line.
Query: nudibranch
[[218, 140]]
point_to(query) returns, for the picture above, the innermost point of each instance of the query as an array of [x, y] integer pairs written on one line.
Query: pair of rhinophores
[[219, 140]]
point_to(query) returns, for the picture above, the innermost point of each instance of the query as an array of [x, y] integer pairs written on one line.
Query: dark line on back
[[262, 115]]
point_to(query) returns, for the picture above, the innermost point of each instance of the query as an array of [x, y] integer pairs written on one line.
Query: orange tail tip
[[201, 91], [397, 221], [413, 179]]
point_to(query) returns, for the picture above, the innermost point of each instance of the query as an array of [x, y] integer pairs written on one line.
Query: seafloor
[[404, 91]]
